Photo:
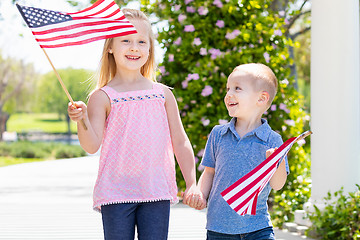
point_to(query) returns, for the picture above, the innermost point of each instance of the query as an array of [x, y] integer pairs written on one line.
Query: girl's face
[[132, 51]]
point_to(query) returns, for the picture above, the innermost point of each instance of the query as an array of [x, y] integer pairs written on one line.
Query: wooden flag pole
[[63, 86], [304, 135]]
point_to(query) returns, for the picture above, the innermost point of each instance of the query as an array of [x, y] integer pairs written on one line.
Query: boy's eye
[[142, 42], [238, 88], [125, 40]]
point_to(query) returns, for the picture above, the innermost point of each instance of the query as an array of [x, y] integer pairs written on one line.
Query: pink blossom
[[201, 168], [189, 28], [220, 23], [188, 1], [267, 57], [196, 159], [286, 21], [194, 76], [177, 7], [206, 91], [282, 13], [203, 51], [162, 69], [197, 41], [214, 53], [184, 83], [178, 41], [171, 57], [223, 121], [301, 142], [181, 17], [285, 81], [203, 11], [205, 122], [289, 122], [273, 107], [278, 32], [200, 153], [233, 34], [218, 3], [283, 107], [190, 9]]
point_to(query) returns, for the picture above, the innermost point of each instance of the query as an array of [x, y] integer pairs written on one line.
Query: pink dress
[[137, 160]]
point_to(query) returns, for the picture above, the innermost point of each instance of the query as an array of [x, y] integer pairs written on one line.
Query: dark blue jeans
[[150, 218], [262, 234]]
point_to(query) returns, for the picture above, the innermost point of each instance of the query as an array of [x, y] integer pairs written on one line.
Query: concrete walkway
[[53, 200]]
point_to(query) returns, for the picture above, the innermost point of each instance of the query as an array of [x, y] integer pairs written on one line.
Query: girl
[[137, 122]]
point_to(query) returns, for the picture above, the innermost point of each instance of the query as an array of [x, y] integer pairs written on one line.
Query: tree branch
[[292, 21], [295, 35]]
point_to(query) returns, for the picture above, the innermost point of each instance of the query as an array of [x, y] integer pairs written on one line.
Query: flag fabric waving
[[53, 29], [242, 195]]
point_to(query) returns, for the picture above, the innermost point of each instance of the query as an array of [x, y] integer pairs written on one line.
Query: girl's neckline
[[132, 91]]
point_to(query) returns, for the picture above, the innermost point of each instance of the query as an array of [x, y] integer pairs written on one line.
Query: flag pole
[[63, 86]]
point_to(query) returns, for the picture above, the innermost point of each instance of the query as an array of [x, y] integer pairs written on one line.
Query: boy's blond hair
[[264, 78], [108, 69]]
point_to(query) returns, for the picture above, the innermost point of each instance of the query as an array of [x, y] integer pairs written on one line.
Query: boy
[[237, 147]]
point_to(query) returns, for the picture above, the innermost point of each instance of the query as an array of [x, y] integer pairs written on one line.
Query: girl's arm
[[278, 180], [181, 144], [94, 116]]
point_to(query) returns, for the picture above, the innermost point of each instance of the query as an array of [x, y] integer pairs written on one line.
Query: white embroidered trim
[[97, 207]]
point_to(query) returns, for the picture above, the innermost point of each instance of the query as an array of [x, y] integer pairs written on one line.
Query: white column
[[335, 97]]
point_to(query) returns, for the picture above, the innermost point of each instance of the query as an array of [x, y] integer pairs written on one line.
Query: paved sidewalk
[[53, 200]]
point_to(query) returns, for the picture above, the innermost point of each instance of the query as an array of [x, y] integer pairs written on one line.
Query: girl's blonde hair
[[107, 67]]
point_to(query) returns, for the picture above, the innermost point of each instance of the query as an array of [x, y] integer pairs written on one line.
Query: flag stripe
[[78, 34], [88, 40], [248, 175], [253, 184], [243, 194], [58, 29], [91, 24]]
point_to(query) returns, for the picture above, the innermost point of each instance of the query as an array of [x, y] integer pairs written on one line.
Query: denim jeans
[[262, 234], [150, 218]]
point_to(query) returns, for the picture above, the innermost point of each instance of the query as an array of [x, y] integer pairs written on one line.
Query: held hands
[[194, 198], [77, 112]]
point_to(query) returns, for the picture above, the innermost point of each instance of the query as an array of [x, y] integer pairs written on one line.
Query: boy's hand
[[194, 198], [77, 112], [270, 151]]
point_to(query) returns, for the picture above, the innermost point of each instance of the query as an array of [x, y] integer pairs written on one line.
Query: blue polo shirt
[[233, 157]]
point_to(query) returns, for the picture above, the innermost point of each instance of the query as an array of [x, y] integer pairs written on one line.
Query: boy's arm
[[278, 180], [206, 181], [181, 145]]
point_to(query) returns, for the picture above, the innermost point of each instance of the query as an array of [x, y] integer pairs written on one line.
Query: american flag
[[53, 29], [243, 194]]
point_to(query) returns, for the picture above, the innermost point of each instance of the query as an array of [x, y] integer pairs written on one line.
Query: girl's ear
[[263, 98]]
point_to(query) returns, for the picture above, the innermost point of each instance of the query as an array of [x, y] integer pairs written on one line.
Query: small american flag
[[242, 195], [53, 29]]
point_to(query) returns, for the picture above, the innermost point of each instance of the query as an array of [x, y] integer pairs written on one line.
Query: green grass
[[44, 122], [6, 161]]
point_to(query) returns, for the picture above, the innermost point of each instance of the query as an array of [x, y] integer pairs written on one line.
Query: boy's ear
[[263, 98]]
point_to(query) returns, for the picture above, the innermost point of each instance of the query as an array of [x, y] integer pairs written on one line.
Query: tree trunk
[[3, 119]]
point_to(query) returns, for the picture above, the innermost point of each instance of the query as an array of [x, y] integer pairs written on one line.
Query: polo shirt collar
[[262, 132]]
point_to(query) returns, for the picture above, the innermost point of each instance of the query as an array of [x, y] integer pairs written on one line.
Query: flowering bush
[[204, 42]]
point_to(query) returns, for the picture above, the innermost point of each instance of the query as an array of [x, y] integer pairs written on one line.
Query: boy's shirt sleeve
[[210, 150]]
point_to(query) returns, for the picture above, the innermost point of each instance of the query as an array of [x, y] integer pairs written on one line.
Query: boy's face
[[241, 99]]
